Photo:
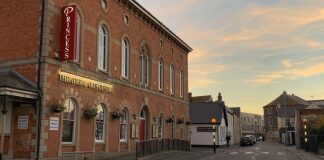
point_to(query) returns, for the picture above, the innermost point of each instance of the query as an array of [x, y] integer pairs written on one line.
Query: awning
[[16, 85]]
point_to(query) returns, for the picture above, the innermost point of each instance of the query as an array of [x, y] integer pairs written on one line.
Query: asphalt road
[[259, 151]]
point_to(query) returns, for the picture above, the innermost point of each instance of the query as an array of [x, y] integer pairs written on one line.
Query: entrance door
[[22, 131], [142, 129]]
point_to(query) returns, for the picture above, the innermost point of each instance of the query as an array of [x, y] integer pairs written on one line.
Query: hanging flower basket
[[57, 107], [90, 112], [169, 120], [116, 114], [180, 121]]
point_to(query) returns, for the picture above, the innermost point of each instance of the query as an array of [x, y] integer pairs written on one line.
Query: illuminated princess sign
[[84, 82], [68, 33]]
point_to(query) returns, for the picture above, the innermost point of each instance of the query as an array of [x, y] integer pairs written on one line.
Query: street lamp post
[[213, 121], [305, 134]]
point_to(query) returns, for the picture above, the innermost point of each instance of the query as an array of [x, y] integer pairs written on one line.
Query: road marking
[[280, 153], [257, 148], [232, 153], [248, 152], [265, 152]]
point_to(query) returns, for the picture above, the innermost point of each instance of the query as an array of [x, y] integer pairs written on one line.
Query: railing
[[150, 147], [78, 155], [314, 143]]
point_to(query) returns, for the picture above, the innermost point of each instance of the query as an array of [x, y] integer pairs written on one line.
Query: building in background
[[279, 116], [313, 117], [88, 78], [251, 124], [237, 125], [201, 126]]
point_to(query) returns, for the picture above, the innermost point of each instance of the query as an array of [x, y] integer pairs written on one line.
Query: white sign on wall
[[54, 123], [23, 122]]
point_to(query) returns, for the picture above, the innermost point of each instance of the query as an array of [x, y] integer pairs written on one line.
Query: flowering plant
[[180, 121], [169, 120], [57, 107], [116, 114], [90, 112]]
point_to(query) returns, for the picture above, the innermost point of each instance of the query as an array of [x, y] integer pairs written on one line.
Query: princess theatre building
[[84, 77]]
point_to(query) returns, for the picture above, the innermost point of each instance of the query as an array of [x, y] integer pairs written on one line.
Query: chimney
[[220, 97], [190, 96]]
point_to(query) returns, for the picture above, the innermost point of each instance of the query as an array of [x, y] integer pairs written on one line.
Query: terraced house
[[88, 78]]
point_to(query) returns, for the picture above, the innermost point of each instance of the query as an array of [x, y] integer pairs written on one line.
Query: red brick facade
[[19, 50]]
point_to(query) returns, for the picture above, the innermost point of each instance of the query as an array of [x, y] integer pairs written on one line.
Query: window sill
[[123, 141], [67, 144], [161, 91], [100, 142]]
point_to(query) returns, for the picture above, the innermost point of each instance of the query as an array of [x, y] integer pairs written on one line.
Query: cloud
[[288, 73], [201, 76]]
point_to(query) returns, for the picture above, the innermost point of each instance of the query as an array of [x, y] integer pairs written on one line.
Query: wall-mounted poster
[[23, 122], [54, 123]]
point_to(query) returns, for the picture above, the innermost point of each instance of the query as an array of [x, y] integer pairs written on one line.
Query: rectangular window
[[181, 83], [269, 110], [270, 121]]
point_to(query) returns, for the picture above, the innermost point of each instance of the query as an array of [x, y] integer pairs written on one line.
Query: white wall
[[201, 138]]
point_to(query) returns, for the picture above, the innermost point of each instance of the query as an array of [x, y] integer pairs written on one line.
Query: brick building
[[279, 116], [129, 68]]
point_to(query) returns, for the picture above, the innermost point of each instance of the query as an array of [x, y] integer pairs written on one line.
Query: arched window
[[123, 125], [100, 123], [144, 61], [160, 127], [182, 133], [172, 79], [102, 48], [161, 74], [125, 58], [181, 83], [69, 117], [173, 127], [78, 39]]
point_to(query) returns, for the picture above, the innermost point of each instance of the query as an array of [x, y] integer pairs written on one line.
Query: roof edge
[[160, 24]]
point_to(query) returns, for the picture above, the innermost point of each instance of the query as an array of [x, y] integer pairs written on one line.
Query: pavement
[[260, 151]]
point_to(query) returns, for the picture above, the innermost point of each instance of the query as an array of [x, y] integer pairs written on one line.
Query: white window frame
[[74, 121], [181, 83], [161, 74], [125, 58], [269, 110], [102, 53], [270, 119], [172, 80], [160, 126], [125, 123], [104, 124], [78, 38], [145, 67]]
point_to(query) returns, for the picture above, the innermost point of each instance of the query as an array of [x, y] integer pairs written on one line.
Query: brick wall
[[20, 37]]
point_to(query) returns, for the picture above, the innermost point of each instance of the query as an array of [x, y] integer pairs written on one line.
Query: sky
[[249, 50]]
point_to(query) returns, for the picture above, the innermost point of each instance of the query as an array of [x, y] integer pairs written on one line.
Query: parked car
[[254, 139], [247, 140], [260, 138]]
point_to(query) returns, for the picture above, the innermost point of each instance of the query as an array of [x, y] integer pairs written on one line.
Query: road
[[259, 151]]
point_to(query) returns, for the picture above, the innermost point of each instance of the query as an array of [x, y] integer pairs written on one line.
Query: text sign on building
[[23, 122], [68, 33], [84, 82], [54, 123]]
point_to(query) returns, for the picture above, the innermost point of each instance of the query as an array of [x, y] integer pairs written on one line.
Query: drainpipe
[[39, 100]]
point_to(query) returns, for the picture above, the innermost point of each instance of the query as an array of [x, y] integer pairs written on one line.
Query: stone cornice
[[141, 13]]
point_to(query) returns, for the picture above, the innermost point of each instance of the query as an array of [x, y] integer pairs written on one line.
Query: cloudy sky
[[249, 50]]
